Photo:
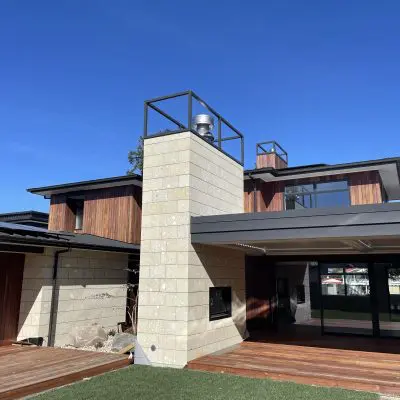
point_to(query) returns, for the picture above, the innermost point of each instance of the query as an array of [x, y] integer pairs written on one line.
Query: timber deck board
[[371, 371], [26, 370]]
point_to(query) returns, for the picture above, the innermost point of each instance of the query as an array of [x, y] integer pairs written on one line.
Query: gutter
[[52, 321], [55, 243], [254, 192]]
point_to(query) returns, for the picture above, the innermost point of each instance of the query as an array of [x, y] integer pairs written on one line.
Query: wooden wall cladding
[[61, 216], [270, 160], [365, 188], [11, 274], [114, 213], [269, 196]]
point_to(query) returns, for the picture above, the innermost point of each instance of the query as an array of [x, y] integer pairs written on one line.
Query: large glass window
[[346, 280], [346, 303], [317, 195]]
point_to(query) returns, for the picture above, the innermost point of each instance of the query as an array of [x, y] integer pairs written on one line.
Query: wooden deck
[[373, 369], [25, 370]]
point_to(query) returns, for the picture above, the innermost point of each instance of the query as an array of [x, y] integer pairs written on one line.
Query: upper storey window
[[317, 195], [76, 205]]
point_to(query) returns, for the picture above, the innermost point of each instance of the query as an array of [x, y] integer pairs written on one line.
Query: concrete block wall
[[184, 176], [91, 289]]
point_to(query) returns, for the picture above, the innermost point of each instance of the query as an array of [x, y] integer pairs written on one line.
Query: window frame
[[313, 193], [213, 316]]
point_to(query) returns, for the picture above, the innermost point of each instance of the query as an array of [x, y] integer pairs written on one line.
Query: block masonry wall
[[184, 176], [91, 289]]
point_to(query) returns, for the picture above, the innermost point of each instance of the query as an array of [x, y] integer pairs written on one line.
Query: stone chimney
[[183, 176], [271, 154]]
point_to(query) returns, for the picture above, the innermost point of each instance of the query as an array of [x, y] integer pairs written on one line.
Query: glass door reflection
[[346, 303], [388, 294]]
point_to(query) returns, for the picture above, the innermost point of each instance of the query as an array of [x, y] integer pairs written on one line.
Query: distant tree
[[135, 159]]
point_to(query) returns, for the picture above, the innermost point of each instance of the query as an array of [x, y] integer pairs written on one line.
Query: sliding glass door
[[388, 298], [346, 298]]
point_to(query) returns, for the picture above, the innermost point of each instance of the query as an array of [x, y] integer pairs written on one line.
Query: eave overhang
[[124, 180], [357, 229]]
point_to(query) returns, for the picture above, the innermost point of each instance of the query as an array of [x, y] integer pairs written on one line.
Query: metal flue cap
[[203, 124]]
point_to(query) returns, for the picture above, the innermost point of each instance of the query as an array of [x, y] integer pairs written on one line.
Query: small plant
[[98, 345]]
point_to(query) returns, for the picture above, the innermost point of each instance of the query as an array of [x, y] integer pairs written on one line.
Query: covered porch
[[322, 295], [337, 269]]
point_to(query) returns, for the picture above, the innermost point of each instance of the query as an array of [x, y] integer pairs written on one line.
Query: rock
[[122, 340], [89, 335]]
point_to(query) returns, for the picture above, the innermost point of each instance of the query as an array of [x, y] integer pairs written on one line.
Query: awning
[[357, 229]]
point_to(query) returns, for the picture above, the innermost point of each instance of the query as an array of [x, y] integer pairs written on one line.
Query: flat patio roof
[[357, 229]]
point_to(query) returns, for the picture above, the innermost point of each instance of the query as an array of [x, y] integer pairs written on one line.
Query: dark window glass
[[301, 294], [77, 207], [333, 185], [220, 302], [79, 216], [324, 194], [298, 201], [332, 199], [299, 188]]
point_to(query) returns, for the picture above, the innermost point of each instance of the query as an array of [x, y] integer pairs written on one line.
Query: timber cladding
[[113, 213], [11, 274], [364, 187], [61, 216]]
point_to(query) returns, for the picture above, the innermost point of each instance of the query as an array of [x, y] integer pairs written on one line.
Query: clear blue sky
[[320, 77]]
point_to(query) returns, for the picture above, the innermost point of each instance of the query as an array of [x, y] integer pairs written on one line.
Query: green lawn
[[146, 383]]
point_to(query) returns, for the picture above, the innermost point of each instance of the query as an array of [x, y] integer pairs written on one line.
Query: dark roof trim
[[28, 213], [133, 179], [25, 216], [27, 235], [322, 167], [355, 221], [11, 248], [72, 245]]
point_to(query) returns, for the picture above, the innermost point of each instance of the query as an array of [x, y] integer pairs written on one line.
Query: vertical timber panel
[[114, 213], [61, 217], [365, 188], [11, 274]]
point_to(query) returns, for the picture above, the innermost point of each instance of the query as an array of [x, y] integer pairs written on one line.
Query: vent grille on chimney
[[203, 124]]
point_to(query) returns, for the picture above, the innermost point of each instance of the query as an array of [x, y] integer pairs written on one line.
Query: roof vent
[[203, 124]]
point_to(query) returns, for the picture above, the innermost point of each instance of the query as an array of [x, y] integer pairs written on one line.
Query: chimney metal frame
[[187, 126], [280, 151]]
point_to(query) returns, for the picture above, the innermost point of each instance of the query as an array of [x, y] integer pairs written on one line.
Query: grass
[[146, 383]]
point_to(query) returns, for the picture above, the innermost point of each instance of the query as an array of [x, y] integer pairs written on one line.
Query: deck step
[[367, 371]]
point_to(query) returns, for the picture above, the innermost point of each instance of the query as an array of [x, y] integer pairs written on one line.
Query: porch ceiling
[[352, 230]]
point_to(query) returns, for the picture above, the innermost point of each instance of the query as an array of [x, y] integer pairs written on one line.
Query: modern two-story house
[[228, 254]]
